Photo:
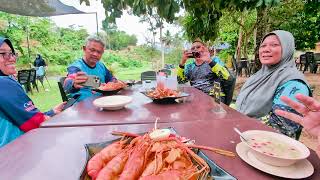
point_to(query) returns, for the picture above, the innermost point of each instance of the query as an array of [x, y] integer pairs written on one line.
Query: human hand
[[79, 79], [185, 56], [46, 117], [205, 56], [310, 110], [58, 109]]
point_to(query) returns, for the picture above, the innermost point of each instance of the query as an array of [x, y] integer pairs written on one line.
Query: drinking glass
[[148, 85], [217, 108], [172, 82]]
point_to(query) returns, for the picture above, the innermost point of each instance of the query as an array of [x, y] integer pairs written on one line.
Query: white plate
[[115, 102], [300, 169]]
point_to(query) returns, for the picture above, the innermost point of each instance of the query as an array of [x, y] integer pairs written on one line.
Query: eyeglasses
[[8, 55]]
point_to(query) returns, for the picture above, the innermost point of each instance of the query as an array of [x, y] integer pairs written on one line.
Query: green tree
[[202, 16], [56, 45], [301, 18], [116, 39]]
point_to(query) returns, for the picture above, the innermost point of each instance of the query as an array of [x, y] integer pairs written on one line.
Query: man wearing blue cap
[[17, 111]]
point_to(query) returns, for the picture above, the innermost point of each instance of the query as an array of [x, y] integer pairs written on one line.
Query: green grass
[[45, 100], [132, 74]]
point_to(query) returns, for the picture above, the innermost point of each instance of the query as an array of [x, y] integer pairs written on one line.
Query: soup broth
[[273, 147]]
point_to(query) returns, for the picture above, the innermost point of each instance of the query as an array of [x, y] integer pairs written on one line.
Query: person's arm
[[56, 110], [289, 89], [19, 107], [221, 71], [183, 74], [74, 79], [309, 109], [182, 71]]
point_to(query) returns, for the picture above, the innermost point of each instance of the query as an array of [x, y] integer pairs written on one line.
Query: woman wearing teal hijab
[[260, 95]]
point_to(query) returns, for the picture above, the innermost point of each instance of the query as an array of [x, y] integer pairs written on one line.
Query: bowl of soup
[[274, 148]]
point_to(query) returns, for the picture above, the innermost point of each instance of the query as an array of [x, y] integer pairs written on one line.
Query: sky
[[128, 23]]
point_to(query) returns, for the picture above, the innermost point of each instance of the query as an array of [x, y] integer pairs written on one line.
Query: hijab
[[5, 40], [256, 95]]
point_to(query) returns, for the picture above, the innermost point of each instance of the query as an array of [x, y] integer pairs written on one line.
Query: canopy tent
[[40, 8]]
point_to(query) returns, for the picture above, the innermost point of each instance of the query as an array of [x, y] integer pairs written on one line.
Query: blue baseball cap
[[6, 40]]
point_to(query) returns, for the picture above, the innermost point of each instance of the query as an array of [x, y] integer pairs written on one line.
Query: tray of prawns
[[110, 88], [158, 154], [164, 95]]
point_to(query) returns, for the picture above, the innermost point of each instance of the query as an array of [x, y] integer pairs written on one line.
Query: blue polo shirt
[[17, 111], [99, 70]]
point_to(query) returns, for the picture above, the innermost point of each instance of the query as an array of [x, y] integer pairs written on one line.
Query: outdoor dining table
[[59, 153], [142, 110]]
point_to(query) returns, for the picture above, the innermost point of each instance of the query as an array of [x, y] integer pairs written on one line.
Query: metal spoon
[[237, 130]]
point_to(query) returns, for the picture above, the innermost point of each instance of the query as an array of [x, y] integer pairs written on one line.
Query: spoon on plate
[[237, 130]]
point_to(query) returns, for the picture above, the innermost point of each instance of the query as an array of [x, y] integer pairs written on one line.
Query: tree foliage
[[155, 22], [301, 18], [117, 39], [165, 8], [59, 46], [56, 45], [202, 16]]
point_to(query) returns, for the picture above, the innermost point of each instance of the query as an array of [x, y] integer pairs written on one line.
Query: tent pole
[[28, 43], [97, 22]]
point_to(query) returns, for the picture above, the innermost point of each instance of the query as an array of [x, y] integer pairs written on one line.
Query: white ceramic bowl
[[275, 160], [115, 102]]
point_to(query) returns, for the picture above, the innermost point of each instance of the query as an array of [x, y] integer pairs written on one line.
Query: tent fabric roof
[[41, 8]]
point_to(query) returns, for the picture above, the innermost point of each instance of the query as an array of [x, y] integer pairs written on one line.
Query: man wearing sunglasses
[[17, 111], [203, 71]]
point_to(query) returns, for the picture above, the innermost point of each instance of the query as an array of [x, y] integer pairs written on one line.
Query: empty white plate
[[115, 102], [299, 170]]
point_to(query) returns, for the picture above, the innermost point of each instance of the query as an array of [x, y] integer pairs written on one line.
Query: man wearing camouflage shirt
[[203, 71]]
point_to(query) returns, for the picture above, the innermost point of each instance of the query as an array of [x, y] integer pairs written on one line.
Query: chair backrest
[[228, 87], [244, 63], [310, 57], [32, 75], [148, 75], [23, 76], [167, 71], [303, 59], [234, 65], [63, 93], [316, 56]]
